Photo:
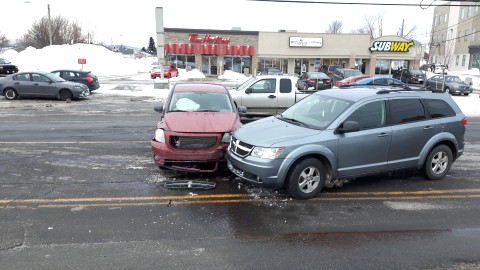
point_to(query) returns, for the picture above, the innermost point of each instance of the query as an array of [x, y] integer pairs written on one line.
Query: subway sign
[[391, 46]]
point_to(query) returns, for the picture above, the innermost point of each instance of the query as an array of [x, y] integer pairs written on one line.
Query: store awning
[[173, 48]]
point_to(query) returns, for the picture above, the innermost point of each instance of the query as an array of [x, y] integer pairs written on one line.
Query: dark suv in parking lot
[[332, 136]]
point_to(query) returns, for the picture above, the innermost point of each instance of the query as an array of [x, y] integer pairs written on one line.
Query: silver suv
[[335, 135]]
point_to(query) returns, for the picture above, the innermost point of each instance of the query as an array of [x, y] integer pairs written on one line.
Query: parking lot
[[78, 187]]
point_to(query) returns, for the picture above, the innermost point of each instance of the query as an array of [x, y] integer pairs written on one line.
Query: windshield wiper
[[292, 120], [208, 111], [177, 111]]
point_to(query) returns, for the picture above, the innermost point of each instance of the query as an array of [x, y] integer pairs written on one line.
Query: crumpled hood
[[200, 121], [269, 131]]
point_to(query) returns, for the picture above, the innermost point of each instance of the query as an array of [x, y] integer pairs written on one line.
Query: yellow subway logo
[[391, 46]]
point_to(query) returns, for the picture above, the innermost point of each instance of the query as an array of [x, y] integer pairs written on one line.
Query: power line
[[362, 3]]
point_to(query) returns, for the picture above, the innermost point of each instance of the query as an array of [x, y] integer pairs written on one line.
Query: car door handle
[[272, 96], [428, 127], [35, 84], [383, 134], [17, 83]]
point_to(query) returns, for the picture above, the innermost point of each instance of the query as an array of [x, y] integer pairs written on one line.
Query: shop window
[[280, 63]]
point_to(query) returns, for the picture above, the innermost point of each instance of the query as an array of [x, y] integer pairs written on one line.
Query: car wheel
[[65, 95], [306, 179], [466, 94], [10, 94], [447, 89], [438, 162]]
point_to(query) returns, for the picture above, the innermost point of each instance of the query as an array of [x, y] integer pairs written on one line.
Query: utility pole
[[403, 25], [49, 25]]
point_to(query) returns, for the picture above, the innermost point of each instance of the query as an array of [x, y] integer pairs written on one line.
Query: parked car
[[271, 71], [42, 85], [350, 80], [329, 69], [196, 124], [439, 69], [267, 94], [410, 76], [426, 67], [169, 71], [80, 76], [332, 136], [343, 73], [6, 67], [452, 85], [314, 80], [382, 81]]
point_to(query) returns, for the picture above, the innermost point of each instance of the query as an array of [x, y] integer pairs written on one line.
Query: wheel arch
[[448, 141], [318, 152]]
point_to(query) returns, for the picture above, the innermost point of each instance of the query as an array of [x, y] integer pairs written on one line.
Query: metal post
[[49, 25], [160, 39]]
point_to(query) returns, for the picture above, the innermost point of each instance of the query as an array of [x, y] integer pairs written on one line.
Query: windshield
[[315, 111], [246, 83], [453, 79], [4, 61], [416, 72], [351, 73], [200, 102], [318, 76]]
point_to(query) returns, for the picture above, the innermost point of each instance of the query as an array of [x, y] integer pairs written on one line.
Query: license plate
[[235, 170]]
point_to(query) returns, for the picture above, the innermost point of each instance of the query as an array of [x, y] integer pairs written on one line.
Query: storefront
[[389, 54], [211, 51], [249, 52]]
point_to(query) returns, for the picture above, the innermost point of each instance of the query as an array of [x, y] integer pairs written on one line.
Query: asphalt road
[[78, 190]]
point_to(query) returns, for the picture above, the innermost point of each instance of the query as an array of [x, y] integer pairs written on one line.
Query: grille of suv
[[192, 142], [240, 148]]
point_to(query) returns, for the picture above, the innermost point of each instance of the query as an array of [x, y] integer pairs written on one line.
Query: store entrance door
[[209, 64]]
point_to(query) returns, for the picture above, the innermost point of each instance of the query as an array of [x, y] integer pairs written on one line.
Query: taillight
[[311, 81], [413, 75], [464, 121], [327, 81], [88, 79]]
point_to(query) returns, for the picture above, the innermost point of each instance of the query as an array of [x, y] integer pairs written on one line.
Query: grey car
[[332, 136], [40, 84], [452, 85]]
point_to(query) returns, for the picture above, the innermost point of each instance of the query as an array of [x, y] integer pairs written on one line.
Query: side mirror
[[158, 108], [349, 126], [242, 109], [470, 83], [248, 90]]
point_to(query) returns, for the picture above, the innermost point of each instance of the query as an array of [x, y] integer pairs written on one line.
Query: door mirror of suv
[[158, 108], [242, 109], [349, 126]]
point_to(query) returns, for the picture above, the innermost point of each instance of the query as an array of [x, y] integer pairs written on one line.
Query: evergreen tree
[[151, 46]]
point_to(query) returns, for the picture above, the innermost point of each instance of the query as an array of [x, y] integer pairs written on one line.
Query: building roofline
[[210, 31]]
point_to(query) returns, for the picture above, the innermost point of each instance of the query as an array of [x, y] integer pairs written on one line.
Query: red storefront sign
[[217, 49], [82, 61], [194, 38]]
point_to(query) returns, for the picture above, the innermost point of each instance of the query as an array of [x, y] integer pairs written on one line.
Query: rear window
[[417, 72], [406, 110], [285, 86], [439, 108]]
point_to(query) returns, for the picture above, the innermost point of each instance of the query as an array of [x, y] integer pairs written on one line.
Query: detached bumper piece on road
[[190, 184]]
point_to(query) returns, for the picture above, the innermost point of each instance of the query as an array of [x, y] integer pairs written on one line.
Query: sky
[[133, 22], [105, 63]]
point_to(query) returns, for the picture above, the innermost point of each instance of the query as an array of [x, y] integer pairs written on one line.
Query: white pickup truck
[[267, 95]]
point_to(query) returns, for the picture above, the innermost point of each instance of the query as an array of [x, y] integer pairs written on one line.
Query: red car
[[195, 128], [350, 80], [169, 71]]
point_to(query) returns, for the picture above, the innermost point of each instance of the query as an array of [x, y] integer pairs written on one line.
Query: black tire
[[447, 90], [466, 94], [65, 95], [10, 94], [438, 162], [306, 179]]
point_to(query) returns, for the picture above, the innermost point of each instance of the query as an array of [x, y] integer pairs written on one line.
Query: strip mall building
[[215, 51]]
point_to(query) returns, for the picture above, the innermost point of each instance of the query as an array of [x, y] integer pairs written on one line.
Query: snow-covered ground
[[105, 63]]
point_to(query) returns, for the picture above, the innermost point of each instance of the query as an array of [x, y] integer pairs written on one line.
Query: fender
[[303, 151], [440, 137]]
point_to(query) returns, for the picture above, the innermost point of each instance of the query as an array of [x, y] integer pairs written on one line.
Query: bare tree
[[335, 27], [3, 40], [63, 32], [405, 32], [373, 26]]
